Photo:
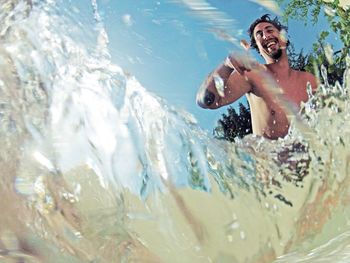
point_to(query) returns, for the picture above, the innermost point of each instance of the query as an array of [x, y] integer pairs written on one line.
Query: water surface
[[97, 168]]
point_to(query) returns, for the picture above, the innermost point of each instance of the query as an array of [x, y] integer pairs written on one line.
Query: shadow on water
[[94, 168]]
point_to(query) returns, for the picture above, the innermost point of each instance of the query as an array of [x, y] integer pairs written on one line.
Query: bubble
[[234, 225], [127, 20], [242, 235]]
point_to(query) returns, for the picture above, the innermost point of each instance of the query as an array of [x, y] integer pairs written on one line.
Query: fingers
[[241, 62], [232, 62], [244, 43]]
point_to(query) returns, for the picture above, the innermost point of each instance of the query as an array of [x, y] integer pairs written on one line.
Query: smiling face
[[269, 40]]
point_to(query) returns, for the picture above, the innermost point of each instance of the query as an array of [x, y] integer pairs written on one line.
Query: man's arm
[[223, 86]]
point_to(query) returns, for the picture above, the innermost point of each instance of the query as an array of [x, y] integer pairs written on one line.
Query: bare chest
[[268, 120], [294, 89]]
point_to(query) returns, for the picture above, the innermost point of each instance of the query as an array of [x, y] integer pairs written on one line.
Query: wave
[[96, 168]]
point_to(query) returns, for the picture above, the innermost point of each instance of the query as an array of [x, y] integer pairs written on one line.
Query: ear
[[244, 43]]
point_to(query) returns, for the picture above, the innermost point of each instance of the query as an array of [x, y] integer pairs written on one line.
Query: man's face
[[268, 40]]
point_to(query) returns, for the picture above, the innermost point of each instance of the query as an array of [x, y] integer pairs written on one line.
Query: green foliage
[[338, 18], [333, 62], [233, 125], [323, 54], [196, 180], [300, 9], [297, 60]]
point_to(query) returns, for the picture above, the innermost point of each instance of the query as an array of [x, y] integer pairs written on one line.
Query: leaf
[[323, 35]]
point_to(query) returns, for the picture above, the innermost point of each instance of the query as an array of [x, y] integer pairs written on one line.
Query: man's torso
[[269, 119]]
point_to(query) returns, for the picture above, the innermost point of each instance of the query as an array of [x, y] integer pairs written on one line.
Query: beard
[[276, 54]]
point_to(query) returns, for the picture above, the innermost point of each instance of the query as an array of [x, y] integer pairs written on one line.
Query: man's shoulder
[[306, 77], [303, 73]]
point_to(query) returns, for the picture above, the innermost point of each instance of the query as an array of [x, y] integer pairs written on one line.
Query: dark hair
[[265, 18]]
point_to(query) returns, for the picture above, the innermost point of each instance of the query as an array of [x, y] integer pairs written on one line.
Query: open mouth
[[270, 44]]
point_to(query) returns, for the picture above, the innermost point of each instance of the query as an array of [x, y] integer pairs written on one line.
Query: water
[[94, 168]]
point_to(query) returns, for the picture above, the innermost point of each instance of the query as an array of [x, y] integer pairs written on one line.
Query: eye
[[258, 34]]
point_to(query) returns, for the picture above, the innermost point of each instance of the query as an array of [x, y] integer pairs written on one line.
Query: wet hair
[[265, 18]]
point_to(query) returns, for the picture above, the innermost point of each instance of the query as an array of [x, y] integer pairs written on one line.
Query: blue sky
[[170, 48]]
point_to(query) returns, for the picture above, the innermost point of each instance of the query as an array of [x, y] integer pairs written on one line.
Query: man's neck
[[280, 65]]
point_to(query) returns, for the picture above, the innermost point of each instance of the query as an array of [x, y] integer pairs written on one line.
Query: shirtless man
[[267, 87]]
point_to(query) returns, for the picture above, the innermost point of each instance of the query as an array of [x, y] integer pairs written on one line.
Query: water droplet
[[324, 73], [127, 20], [329, 11], [242, 235], [43, 161], [219, 85], [24, 186], [329, 53], [271, 5], [234, 216], [284, 35], [234, 225], [275, 207], [197, 248]]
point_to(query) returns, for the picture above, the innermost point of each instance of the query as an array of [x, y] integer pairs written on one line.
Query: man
[[268, 87]]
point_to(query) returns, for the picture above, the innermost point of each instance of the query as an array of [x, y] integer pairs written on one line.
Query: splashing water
[[96, 169]]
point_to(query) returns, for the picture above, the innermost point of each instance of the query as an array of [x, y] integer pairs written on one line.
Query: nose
[[266, 34]]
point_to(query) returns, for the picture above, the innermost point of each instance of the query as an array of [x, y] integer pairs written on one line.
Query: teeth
[[271, 43]]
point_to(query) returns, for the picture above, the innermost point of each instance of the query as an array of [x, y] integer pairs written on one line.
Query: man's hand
[[228, 82], [241, 62]]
